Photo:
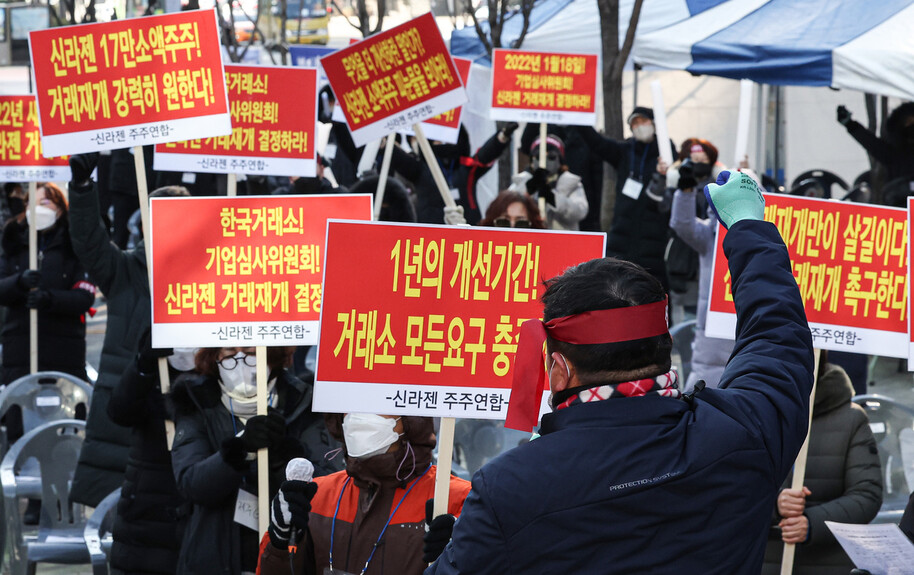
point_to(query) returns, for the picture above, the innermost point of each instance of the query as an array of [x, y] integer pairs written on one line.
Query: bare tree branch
[[482, 35], [626, 49], [526, 8], [494, 24], [343, 14], [382, 9], [502, 15]]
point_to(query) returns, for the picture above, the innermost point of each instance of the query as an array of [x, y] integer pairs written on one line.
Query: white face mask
[[367, 434], [240, 382], [643, 132], [44, 216], [183, 358]]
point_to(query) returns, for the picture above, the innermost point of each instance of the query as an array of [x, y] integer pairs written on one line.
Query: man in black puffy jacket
[[639, 229]]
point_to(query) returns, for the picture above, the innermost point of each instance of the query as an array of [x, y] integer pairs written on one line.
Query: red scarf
[[665, 385]]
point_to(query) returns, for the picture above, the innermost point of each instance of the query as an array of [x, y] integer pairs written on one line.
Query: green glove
[[735, 197]]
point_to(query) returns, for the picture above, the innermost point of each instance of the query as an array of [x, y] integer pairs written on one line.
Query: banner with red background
[[850, 261], [544, 87], [20, 145], [274, 115], [241, 271], [129, 82], [427, 322], [394, 79]]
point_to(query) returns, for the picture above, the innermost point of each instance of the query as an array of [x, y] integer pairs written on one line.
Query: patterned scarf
[[665, 385]]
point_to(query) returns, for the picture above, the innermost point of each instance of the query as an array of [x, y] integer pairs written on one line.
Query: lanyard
[[631, 172], [381, 536]]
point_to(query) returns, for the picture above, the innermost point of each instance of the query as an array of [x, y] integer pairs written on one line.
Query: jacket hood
[[140, 251], [16, 235], [833, 390], [418, 440]]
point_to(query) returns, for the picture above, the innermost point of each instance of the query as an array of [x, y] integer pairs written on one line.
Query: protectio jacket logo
[[641, 482]]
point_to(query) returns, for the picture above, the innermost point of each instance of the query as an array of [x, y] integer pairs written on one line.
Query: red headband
[[697, 148], [592, 327]]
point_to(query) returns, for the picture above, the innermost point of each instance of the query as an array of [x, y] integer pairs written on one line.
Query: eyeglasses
[[231, 362], [506, 223]]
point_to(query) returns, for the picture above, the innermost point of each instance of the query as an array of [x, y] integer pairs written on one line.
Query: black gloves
[[438, 534], [147, 358], [82, 166], [509, 129], [263, 431], [29, 279], [687, 182], [290, 508], [39, 299], [538, 184], [844, 116]]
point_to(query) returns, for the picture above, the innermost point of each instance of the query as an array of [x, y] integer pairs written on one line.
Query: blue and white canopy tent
[[853, 44]]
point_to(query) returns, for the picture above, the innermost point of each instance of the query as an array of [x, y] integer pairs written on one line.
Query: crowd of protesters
[[701, 456]]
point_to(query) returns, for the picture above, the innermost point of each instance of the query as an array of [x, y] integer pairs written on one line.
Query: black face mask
[[17, 206], [701, 169]]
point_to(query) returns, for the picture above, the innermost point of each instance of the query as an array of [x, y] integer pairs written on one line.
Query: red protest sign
[[910, 319], [446, 126], [544, 87], [427, 322], [850, 261], [274, 114], [243, 270], [129, 82], [394, 79], [20, 144]]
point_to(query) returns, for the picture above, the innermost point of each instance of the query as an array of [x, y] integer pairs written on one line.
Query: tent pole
[[760, 110]]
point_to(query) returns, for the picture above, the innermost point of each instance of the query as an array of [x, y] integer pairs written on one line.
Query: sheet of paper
[[882, 549]]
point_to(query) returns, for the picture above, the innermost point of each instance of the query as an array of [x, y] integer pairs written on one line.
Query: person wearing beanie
[[639, 226], [562, 192]]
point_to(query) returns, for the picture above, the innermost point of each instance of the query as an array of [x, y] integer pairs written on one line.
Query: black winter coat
[[640, 228], [654, 484], [149, 524], [213, 543], [462, 173], [843, 473], [121, 276], [62, 327]]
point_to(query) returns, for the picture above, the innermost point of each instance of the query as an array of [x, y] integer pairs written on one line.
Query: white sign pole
[[231, 186], [382, 177], [742, 124], [263, 462], [799, 468], [33, 265], [433, 166], [663, 136], [139, 164], [445, 455]]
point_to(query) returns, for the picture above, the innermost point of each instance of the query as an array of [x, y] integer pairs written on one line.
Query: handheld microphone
[[298, 469]]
